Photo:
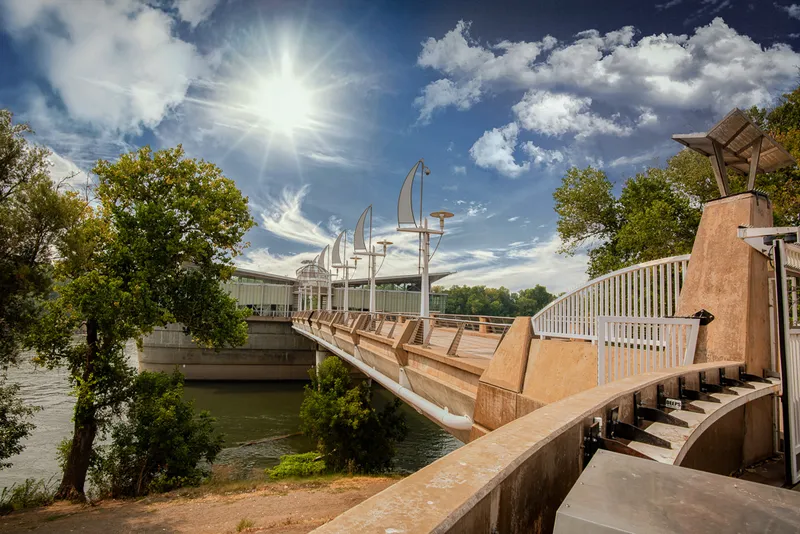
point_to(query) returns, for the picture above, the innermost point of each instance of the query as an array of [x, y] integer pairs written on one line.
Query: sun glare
[[284, 103]]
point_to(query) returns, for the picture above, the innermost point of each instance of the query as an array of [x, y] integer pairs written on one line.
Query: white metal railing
[[649, 289], [793, 257], [792, 376], [629, 346]]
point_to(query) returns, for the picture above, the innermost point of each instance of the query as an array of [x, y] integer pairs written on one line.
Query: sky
[[318, 109]]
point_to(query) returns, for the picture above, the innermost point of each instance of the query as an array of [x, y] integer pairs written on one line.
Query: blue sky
[[317, 109]]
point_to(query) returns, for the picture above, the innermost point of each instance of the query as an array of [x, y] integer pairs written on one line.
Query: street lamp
[[361, 247], [406, 222]]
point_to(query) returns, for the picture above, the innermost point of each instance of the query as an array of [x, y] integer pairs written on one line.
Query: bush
[[298, 465], [30, 494], [15, 423], [351, 434], [161, 445]]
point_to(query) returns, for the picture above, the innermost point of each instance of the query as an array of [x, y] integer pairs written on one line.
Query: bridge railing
[[649, 289], [628, 346]]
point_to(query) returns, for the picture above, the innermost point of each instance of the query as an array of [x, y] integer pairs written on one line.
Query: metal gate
[[787, 286]]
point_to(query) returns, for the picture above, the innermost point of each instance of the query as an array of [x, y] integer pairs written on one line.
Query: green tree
[[34, 216], [153, 251], [482, 300], [339, 417], [530, 301], [160, 444]]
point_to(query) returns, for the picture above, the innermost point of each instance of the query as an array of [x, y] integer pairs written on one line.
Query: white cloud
[[512, 219], [459, 169], [65, 171], [443, 93], [195, 11], [542, 156], [335, 160], [450, 146], [713, 69], [475, 208], [450, 188], [495, 150], [555, 114], [283, 217], [524, 266], [115, 65], [792, 10]]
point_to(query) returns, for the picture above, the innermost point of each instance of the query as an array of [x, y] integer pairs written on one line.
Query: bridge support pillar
[[319, 356], [730, 279]]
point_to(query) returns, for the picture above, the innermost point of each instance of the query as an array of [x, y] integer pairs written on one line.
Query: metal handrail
[[650, 289]]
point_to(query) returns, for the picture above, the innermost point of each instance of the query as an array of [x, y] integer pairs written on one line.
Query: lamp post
[[405, 216], [366, 248]]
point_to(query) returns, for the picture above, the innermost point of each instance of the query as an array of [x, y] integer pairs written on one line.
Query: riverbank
[[283, 507]]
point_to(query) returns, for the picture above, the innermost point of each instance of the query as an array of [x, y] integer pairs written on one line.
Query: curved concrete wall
[[273, 352], [513, 479]]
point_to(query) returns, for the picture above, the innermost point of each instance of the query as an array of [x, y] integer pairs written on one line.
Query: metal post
[[372, 280], [424, 304], [783, 336], [300, 301], [330, 282]]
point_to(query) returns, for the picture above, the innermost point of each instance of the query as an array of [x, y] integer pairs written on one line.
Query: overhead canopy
[[737, 142]]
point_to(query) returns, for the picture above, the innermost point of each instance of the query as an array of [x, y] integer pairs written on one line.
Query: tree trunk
[[72, 483]]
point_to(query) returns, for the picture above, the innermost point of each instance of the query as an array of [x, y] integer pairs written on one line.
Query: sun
[[284, 103]]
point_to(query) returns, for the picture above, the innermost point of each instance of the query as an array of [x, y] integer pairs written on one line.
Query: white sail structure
[[322, 256], [359, 245], [337, 245], [405, 208]]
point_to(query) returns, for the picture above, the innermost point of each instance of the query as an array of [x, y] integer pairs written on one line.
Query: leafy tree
[[351, 434], [34, 216], [482, 300], [153, 251], [161, 443]]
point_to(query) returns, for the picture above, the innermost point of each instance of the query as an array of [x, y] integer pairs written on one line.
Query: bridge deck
[[472, 345]]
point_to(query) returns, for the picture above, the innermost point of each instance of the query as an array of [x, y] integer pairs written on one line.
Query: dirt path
[[276, 507]]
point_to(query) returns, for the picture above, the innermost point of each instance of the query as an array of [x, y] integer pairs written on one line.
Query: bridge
[[690, 361]]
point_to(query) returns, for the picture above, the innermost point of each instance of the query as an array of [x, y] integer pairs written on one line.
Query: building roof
[[395, 279], [737, 135], [266, 277]]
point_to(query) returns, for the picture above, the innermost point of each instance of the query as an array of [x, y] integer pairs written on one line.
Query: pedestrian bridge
[[677, 360]]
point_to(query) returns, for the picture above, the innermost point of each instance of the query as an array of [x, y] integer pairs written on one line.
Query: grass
[[30, 494], [244, 524], [305, 465]]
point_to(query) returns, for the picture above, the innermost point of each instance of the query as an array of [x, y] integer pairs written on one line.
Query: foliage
[[658, 211], [298, 465], [482, 300], [161, 444], [34, 216], [29, 494], [15, 422], [351, 434], [153, 251]]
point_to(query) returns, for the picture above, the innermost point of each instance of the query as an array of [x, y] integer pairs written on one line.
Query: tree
[[482, 300], [161, 443], [350, 433], [34, 216], [153, 251]]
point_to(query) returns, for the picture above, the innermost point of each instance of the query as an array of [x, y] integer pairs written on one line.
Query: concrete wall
[[273, 352], [513, 479]]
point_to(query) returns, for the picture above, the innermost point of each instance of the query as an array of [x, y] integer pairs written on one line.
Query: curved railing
[[649, 289]]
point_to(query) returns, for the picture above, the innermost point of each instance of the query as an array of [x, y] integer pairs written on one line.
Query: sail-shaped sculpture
[[359, 245], [405, 208], [337, 257], [322, 256]]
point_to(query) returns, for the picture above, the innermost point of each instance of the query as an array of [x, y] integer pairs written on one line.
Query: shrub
[[15, 424], [350, 433], [29, 494], [298, 465], [244, 524], [161, 444]]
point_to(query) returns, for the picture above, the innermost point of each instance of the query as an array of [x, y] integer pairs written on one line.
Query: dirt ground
[[291, 507]]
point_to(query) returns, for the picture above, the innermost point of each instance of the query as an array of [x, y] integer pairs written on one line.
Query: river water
[[246, 412]]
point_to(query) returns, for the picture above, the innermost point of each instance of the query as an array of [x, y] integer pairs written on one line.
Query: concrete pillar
[[319, 356], [730, 279], [483, 329]]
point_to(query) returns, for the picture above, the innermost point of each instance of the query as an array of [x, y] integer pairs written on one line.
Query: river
[[245, 412]]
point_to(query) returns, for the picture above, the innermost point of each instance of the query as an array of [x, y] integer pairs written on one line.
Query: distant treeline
[[482, 300]]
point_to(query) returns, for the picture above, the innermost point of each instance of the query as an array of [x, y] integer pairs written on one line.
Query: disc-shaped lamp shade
[[355, 258], [385, 243], [441, 215]]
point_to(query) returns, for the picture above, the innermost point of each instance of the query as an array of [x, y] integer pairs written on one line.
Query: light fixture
[[441, 215], [385, 244]]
